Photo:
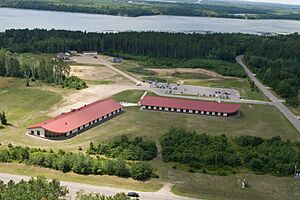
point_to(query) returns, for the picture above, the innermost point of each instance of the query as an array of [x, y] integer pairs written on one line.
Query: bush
[[74, 82], [140, 171], [125, 148]]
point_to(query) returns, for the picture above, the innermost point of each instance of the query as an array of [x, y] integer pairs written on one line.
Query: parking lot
[[196, 91]]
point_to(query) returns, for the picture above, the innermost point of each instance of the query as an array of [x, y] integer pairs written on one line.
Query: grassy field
[[19, 101]]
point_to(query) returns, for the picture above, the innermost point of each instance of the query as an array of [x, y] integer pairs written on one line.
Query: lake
[[18, 19]]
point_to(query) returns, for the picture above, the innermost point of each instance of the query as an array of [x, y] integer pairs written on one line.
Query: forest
[[48, 70], [144, 8], [125, 148], [77, 163], [223, 155], [275, 59]]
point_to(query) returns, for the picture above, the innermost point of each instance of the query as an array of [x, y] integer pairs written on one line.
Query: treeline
[[77, 163], [144, 8], [125, 148], [35, 188], [275, 59], [48, 70], [224, 155]]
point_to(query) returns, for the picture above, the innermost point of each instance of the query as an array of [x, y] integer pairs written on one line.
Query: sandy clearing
[[103, 60], [186, 70], [91, 94], [96, 73]]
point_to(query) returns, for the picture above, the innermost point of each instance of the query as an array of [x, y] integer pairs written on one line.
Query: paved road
[[276, 102], [163, 194]]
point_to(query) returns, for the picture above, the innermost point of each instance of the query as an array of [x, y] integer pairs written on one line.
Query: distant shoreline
[[135, 9]]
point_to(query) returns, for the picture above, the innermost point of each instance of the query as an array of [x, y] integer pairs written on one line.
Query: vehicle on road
[[134, 195]]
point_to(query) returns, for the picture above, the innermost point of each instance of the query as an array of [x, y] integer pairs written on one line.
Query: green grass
[[229, 187], [240, 84], [131, 96], [19, 101]]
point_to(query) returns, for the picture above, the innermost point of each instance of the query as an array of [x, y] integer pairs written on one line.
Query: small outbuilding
[[189, 106], [77, 120], [90, 53]]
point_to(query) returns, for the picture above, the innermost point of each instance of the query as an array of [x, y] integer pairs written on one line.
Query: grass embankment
[[131, 96]]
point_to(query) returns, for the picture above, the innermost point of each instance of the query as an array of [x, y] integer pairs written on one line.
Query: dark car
[[133, 194]]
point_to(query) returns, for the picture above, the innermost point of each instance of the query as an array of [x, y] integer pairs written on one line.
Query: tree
[[34, 189], [141, 171]]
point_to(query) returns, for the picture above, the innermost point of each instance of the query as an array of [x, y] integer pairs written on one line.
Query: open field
[[21, 102], [229, 187]]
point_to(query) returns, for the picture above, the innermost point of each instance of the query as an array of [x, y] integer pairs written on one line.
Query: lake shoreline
[[12, 18]]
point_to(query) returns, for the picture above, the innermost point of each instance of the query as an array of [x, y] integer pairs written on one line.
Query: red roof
[[79, 117], [189, 104]]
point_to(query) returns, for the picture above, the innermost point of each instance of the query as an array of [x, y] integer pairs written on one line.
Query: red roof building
[[77, 120], [189, 106]]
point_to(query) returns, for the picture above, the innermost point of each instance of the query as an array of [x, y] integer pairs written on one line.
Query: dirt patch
[[171, 71], [96, 73], [89, 95]]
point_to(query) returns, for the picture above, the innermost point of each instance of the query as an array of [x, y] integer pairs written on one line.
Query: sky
[[294, 2]]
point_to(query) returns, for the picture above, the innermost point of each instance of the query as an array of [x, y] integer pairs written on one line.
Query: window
[[32, 132], [38, 132]]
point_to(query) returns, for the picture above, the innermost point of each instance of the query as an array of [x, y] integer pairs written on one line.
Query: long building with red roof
[[77, 120], [189, 106]]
